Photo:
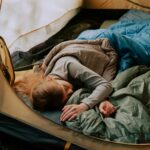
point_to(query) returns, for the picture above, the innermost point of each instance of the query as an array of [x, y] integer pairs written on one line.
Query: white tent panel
[[19, 17]]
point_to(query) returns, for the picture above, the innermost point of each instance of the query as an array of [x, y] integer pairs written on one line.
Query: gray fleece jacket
[[84, 64]]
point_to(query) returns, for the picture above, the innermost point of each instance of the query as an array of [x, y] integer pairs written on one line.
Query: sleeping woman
[[69, 66]]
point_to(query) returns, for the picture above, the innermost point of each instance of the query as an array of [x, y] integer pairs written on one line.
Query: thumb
[[103, 109]]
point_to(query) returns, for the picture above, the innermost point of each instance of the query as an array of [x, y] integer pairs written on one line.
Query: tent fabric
[[60, 13], [5, 59], [131, 122], [117, 4], [23, 136], [69, 32], [35, 37], [67, 11]]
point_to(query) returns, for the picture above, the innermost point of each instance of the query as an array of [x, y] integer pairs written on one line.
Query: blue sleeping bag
[[130, 36]]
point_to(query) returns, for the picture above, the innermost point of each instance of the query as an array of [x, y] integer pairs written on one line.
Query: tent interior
[[43, 130]]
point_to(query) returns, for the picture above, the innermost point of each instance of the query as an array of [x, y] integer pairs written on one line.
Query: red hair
[[44, 94], [25, 84]]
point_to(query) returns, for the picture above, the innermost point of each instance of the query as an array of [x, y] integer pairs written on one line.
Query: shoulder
[[62, 66], [66, 61]]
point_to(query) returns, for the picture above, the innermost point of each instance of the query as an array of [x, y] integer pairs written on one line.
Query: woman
[[68, 74]]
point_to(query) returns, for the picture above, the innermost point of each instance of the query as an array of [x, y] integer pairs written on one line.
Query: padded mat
[[107, 23]]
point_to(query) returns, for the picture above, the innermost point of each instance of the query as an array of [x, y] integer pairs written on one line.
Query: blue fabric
[[130, 38], [135, 15]]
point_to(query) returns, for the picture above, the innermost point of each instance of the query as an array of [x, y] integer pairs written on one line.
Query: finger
[[103, 112], [66, 107], [103, 109], [111, 105], [102, 106], [113, 109], [67, 116], [73, 117], [65, 112]]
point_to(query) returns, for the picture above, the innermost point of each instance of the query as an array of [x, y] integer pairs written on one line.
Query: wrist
[[85, 106]]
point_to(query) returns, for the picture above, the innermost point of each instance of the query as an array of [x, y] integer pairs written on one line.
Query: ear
[[69, 90]]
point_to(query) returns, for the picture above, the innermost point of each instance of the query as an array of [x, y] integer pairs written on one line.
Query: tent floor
[[15, 135], [10, 143]]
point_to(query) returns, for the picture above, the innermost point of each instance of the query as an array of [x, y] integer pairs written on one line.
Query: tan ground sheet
[[118, 4]]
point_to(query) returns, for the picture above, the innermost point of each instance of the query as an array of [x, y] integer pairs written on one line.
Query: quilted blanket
[[131, 122]]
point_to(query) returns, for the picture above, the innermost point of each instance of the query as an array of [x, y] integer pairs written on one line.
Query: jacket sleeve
[[99, 87]]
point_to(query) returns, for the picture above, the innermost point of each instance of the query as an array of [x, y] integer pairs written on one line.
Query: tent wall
[[68, 10], [0, 4], [61, 16], [117, 4]]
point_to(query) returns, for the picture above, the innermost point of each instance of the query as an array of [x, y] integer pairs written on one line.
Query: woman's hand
[[106, 108], [70, 112]]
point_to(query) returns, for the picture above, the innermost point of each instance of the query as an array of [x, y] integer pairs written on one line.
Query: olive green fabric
[[131, 122]]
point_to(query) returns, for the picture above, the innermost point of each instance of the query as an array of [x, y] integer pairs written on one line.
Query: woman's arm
[[99, 87]]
